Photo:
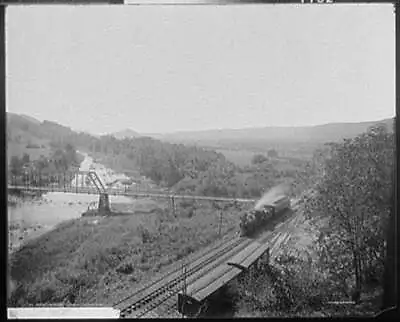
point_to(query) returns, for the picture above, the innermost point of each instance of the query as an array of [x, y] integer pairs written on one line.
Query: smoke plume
[[272, 194]]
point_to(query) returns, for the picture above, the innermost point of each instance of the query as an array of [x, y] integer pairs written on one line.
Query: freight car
[[251, 221]]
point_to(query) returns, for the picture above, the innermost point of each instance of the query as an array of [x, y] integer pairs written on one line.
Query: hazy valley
[[128, 250]]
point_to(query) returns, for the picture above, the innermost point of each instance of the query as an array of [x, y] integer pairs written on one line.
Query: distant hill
[[127, 133], [29, 118], [26, 134], [306, 134], [23, 130]]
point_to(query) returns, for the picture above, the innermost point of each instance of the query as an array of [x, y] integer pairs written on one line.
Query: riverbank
[[32, 214], [59, 257], [19, 233], [15, 199], [98, 260]]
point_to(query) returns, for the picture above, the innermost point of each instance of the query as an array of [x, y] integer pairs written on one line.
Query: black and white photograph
[[200, 161]]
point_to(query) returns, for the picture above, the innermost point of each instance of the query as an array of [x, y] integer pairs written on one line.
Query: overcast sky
[[171, 68]]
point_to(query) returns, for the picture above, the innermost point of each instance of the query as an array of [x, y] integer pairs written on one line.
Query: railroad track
[[159, 298], [165, 289], [169, 309], [163, 299], [176, 269]]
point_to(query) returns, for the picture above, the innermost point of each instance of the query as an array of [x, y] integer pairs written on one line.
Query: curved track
[[176, 269], [160, 291], [159, 297], [167, 308]]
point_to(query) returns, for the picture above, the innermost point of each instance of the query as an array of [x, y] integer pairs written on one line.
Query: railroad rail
[[159, 297], [147, 300], [178, 265]]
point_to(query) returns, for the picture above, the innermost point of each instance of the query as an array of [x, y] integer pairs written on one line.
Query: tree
[[355, 194], [25, 158], [70, 155], [389, 282], [258, 159], [16, 165], [272, 153]]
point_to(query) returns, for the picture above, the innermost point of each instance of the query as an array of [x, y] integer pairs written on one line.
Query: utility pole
[[220, 222], [173, 205], [184, 289], [30, 174]]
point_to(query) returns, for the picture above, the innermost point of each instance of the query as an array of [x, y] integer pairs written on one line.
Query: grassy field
[[243, 158], [97, 260], [242, 153]]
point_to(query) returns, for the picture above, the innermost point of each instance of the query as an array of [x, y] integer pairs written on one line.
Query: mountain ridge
[[321, 132], [317, 133]]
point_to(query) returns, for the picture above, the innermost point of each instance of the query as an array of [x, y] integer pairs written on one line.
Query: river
[[29, 219]]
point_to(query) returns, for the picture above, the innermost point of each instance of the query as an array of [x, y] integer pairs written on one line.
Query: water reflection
[[55, 207], [31, 218]]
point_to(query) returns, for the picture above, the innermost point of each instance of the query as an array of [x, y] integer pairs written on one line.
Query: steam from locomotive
[[270, 204]]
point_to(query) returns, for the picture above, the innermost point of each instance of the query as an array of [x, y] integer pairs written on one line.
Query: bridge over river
[[89, 182]]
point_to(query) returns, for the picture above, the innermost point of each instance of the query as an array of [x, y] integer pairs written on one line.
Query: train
[[253, 220]]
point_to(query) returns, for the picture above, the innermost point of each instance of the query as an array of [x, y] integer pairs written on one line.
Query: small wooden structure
[[250, 259]]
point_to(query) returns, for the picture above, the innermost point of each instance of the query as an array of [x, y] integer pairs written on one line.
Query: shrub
[[32, 146], [125, 268], [145, 234]]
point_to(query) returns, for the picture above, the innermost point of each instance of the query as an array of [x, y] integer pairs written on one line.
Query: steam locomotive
[[251, 221]]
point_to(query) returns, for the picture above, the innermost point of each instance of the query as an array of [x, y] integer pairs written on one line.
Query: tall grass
[[89, 260]]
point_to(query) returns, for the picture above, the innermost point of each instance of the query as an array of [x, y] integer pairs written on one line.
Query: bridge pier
[[104, 203]]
